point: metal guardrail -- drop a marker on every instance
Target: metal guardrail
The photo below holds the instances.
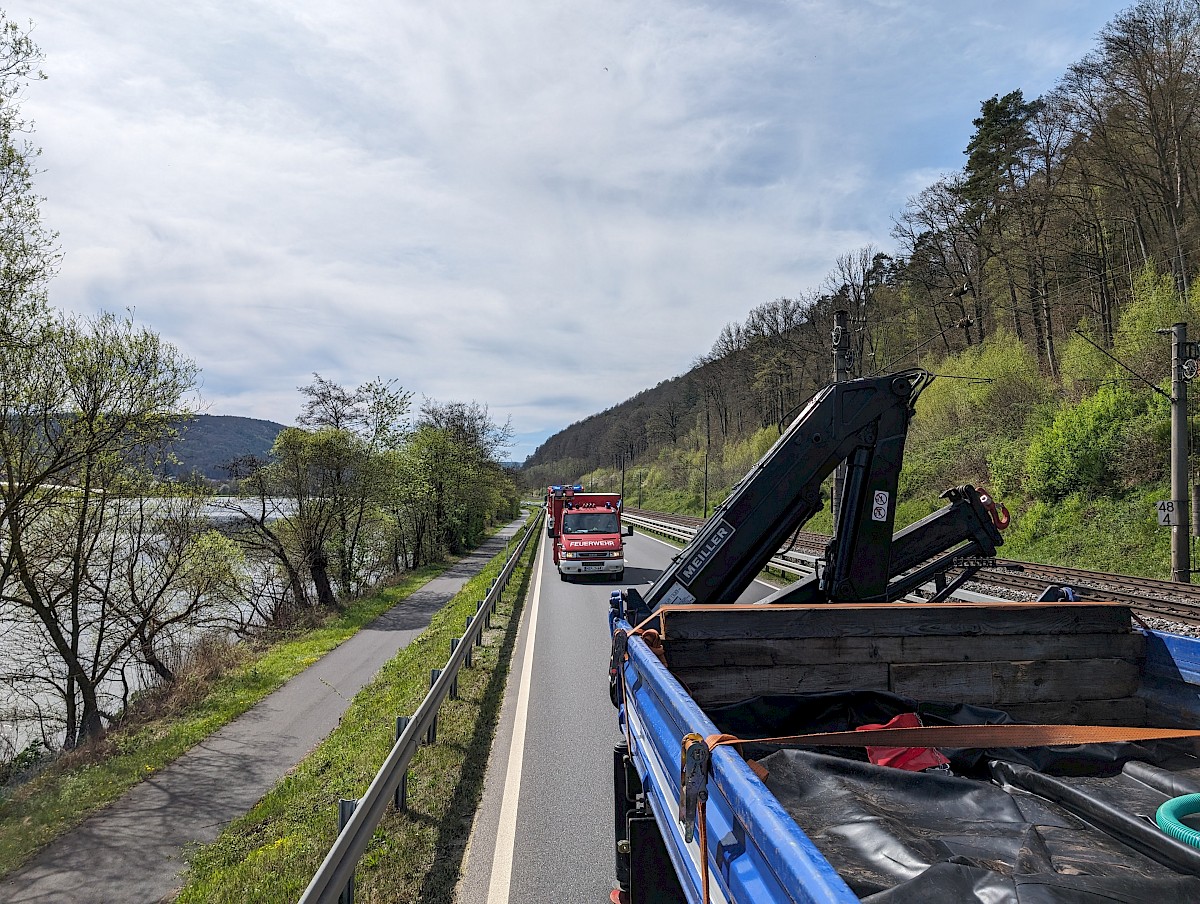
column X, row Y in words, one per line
column 357, row 820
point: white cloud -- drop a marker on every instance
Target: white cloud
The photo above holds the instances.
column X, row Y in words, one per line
column 542, row 207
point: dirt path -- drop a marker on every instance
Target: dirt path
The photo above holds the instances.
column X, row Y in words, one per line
column 132, row 851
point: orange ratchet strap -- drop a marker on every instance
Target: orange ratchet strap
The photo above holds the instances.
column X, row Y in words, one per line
column 1009, row 734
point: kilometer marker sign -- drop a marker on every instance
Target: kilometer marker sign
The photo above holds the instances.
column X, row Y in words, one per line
column 1169, row 514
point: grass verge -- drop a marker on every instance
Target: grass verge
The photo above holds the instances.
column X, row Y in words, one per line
column 271, row 853
column 77, row 785
column 1118, row 534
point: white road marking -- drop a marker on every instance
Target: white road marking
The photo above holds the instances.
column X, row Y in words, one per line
column 506, row 831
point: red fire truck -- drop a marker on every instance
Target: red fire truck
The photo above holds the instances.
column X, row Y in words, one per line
column 588, row 536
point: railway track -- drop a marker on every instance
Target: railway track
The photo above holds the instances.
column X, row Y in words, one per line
column 1149, row 598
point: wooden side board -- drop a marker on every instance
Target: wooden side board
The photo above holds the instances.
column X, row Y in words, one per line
column 740, row 652
column 892, row 620
column 1061, row 658
column 1002, row 683
column 714, row 686
column 1125, row 711
column 998, row 684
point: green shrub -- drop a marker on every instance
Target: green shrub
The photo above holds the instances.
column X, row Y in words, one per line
column 1083, row 449
column 1081, row 365
column 1006, row 465
column 1155, row 305
column 966, row 420
column 1109, row 533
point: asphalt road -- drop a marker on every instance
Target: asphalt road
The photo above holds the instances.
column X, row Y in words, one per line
column 544, row 830
column 132, row 851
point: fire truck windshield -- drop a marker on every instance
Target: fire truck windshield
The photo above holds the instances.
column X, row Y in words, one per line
column 590, row 523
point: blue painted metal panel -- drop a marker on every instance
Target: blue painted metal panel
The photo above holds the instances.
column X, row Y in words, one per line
column 757, row 853
column 1173, row 656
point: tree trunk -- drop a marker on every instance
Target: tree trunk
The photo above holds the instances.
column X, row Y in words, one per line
column 71, row 719
column 151, row 658
column 90, row 724
column 1014, row 306
column 295, row 582
column 1039, row 337
column 319, row 569
column 1048, row 338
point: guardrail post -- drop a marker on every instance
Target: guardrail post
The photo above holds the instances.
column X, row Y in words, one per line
column 454, row 642
column 431, row 734
column 474, row 641
column 345, row 811
column 401, row 798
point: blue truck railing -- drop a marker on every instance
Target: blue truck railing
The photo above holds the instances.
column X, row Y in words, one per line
column 756, row 853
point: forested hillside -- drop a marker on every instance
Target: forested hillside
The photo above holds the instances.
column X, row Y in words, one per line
column 1071, row 234
column 209, row 443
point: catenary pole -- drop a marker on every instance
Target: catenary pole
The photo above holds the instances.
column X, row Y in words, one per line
column 1181, row 563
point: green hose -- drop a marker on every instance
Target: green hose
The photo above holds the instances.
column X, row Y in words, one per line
column 1170, row 818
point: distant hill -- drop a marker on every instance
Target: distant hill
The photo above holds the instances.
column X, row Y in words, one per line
column 211, row 441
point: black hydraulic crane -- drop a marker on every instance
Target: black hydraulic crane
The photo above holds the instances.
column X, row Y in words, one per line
column 864, row 423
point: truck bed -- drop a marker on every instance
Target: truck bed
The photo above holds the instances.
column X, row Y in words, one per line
column 1044, row 824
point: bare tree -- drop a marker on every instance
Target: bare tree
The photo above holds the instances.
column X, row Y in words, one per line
column 1135, row 103
column 81, row 403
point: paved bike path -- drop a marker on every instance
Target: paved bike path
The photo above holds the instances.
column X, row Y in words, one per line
column 132, row 851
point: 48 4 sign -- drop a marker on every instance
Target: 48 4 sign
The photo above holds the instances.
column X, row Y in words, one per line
column 1170, row 513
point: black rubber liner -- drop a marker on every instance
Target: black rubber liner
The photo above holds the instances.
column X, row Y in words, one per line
column 1031, row 825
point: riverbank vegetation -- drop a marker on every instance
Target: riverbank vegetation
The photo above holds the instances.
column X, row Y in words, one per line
column 1034, row 282
column 215, row 684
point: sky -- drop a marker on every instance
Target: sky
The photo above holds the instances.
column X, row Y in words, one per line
column 543, row 207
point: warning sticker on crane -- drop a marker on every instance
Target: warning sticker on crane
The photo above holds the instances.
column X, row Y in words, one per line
column 879, row 510
column 677, row 596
